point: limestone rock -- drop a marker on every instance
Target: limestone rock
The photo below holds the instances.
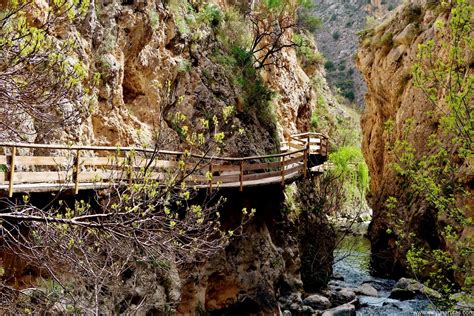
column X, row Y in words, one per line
column 367, row 290
column 406, row 289
column 317, row 301
column 342, row 310
column 342, row 296
column 385, row 57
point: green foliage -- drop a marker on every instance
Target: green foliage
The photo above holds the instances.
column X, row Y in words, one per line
column 238, row 62
column 211, row 15
column 191, row 20
column 154, row 19
column 306, row 51
column 306, row 17
column 385, row 40
column 329, row 65
column 184, row 65
column 43, row 79
column 336, row 35
column 349, row 163
column 274, row 4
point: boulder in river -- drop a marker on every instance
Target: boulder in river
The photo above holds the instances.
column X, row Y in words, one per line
column 406, row 289
column 317, row 301
column 342, row 296
column 342, row 310
column 367, row 290
column 337, row 276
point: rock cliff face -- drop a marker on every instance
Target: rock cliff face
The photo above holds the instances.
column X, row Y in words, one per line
column 156, row 58
column 385, row 58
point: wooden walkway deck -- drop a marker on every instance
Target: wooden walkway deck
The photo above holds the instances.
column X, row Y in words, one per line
column 94, row 167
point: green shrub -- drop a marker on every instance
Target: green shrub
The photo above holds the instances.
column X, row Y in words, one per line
column 348, row 163
column 385, row 40
column 336, row 35
column 211, row 15
column 306, row 51
column 329, row 65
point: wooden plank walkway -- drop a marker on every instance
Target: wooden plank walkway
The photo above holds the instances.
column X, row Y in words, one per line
column 96, row 167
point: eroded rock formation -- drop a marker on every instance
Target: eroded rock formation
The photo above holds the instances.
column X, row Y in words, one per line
column 386, row 56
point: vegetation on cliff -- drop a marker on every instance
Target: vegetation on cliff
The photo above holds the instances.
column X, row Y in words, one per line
column 439, row 177
column 42, row 76
column 418, row 142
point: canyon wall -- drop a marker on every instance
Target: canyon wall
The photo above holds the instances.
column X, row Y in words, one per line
column 386, row 56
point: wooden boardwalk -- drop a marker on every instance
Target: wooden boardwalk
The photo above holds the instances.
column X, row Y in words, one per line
column 94, row 167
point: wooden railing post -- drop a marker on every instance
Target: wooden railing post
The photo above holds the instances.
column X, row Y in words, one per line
column 76, row 170
column 210, row 177
column 326, row 145
column 241, row 177
column 283, row 170
column 305, row 161
column 12, row 172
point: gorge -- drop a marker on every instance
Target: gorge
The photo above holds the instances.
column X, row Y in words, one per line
column 113, row 89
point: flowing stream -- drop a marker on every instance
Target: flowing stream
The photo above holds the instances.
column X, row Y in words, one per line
column 352, row 263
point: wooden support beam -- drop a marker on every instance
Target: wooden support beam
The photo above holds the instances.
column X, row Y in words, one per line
column 77, row 166
column 305, row 161
column 12, row 172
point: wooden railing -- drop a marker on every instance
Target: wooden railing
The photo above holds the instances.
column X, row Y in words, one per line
column 92, row 167
column 318, row 143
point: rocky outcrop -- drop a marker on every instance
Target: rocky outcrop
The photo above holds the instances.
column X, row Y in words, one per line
column 406, row 289
column 386, row 56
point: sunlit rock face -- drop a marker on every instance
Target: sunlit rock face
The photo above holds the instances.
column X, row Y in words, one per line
column 385, row 58
column 150, row 69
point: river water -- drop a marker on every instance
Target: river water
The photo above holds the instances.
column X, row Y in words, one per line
column 352, row 263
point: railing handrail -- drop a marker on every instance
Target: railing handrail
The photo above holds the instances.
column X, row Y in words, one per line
column 309, row 134
column 297, row 161
column 146, row 150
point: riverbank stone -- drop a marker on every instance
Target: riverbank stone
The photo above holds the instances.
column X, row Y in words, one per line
column 342, row 310
column 317, row 301
column 367, row 290
column 292, row 301
column 342, row 296
column 406, row 289
column 337, row 276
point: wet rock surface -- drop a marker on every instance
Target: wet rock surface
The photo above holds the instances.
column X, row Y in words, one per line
column 343, row 310
column 352, row 263
column 408, row 288
column 367, row 290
